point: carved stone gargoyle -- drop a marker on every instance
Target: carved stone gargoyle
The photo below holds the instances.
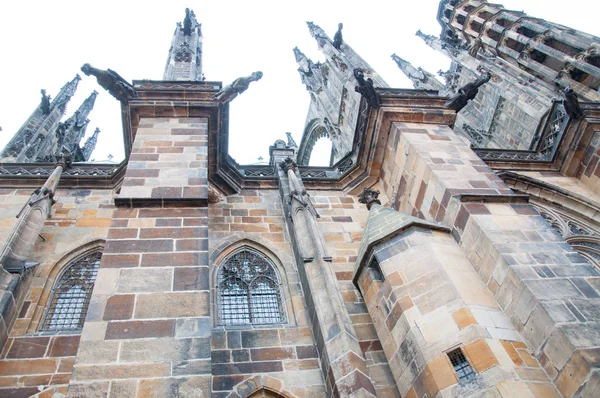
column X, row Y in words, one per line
column 337, row 38
column 467, row 93
column 571, row 103
column 366, row 89
column 238, row 86
column 111, row 82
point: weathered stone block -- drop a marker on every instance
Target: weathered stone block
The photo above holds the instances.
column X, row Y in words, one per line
column 172, row 305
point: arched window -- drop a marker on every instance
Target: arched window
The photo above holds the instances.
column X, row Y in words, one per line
column 71, row 294
column 249, row 290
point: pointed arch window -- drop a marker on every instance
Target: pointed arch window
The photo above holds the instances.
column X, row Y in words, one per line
column 249, row 290
column 71, row 295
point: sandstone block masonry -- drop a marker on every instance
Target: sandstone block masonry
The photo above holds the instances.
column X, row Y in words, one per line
column 544, row 287
column 33, row 361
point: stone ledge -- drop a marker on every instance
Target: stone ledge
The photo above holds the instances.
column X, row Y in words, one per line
column 160, row 202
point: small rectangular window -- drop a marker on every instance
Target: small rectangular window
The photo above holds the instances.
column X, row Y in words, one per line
column 463, row 369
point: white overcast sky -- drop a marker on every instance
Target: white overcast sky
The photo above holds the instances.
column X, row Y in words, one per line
column 44, row 43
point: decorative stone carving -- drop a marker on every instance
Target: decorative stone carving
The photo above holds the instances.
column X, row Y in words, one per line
column 189, row 22
column 45, row 105
column 238, row 86
column 366, row 89
column 214, row 196
column 571, row 103
column 290, row 141
column 112, row 82
column 337, row 38
column 288, row 164
column 467, row 93
column 369, row 197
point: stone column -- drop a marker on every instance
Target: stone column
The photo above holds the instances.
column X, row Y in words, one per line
column 342, row 362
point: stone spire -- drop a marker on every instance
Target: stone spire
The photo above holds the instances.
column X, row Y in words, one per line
column 185, row 55
column 335, row 101
column 25, row 145
column 310, row 72
column 421, row 79
column 80, row 120
column 90, row 145
column 67, row 136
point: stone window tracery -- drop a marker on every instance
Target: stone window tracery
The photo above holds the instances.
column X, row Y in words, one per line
column 249, row 291
column 71, row 294
column 584, row 239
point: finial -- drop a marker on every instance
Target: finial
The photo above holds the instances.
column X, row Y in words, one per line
column 288, row 164
column 369, row 197
column 291, row 143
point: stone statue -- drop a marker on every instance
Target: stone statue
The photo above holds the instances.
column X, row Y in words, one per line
column 467, row 93
column 238, row 86
column 366, row 89
column 337, row 38
column 45, row 105
column 189, row 22
column 571, row 103
column 112, row 82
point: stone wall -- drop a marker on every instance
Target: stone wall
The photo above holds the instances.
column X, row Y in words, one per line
column 148, row 327
column 342, row 223
column 34, row 361
column 540, row 282
column 286, row 352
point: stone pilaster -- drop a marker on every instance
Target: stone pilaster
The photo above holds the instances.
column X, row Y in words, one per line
column 149, row 315
column 342, row 361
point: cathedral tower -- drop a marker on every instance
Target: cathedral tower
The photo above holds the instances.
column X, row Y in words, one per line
column 185, row 55
column 531, row 61
column 550, row 52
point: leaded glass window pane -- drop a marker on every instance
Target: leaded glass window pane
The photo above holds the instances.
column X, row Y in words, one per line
column 71, row 294
column 249, row 290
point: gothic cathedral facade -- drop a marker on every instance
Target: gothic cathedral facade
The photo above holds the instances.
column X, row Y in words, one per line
column 450, row 249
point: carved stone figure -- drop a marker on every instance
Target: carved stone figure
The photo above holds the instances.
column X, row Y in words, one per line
column 112, row 82
column 238, row 86
column 571, row 103
column 369, row 197
column 337, row 38
column 467, row 93
column 366, row 89
column 45, row 105
column 187, row 22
